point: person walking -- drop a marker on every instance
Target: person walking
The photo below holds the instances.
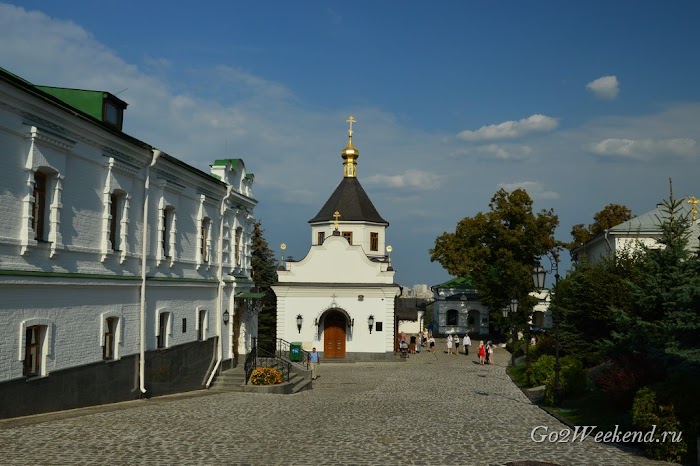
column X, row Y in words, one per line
column 449, row 344
column 467, row 343
column 482, row 353
column 490, row 353
column 431, row 343
column 456, row 341
column 419, row 342
column 314, row 360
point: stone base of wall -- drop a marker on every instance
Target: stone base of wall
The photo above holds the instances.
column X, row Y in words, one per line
column 279, row 389
column 361, row 357
column 179, row 369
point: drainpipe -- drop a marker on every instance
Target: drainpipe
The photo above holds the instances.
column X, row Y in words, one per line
column 220, row 289
column 607, row 240
column 144, row 251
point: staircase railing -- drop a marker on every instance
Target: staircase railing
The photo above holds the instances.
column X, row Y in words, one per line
column 260, row 356
column 282, row 349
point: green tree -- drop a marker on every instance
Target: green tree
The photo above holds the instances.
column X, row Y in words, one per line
column 665, row 316
column 498, row 249
column 264, row 275
column 610, row 216
column 586, row 296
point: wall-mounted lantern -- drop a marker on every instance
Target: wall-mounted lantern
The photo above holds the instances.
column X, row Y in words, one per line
column 226, row 317
column 300, row 319
column 370, row 322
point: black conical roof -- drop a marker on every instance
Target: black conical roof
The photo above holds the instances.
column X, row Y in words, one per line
column 352, row 202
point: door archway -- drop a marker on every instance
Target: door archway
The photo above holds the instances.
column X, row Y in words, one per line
column 334, row 337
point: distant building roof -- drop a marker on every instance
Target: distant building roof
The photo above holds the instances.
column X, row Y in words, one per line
column 462, row 283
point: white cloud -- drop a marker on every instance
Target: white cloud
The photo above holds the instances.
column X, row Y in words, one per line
column 534, row 188
column 511, row 129
column 415, row 179
column 496, row 152
column 645, row 149
column 606, row 87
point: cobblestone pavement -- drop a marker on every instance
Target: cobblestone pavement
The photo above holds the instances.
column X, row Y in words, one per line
column 432, row 409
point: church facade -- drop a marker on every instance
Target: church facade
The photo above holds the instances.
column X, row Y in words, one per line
column 124, row 272
column 340, row 298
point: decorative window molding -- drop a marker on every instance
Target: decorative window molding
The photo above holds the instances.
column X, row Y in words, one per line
column 167, row 233
column 115, row 216
column 201, row 323
column 45, row 343
column 118, row 332
column 163, row 328
column 203, row 235
column 239, row 247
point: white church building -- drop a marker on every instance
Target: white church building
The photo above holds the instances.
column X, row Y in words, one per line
column 124, row 272
column 340, row 298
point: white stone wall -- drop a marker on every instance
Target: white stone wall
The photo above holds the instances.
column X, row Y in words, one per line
column 312, row 303
column 75, row 280
column 360, row 235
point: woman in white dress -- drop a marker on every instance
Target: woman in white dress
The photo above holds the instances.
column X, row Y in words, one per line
column 449, row 344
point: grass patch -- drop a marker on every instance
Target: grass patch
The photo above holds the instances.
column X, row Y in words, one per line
column 594, row 409
column 517, row 374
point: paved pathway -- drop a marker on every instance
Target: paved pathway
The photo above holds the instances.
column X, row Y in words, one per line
column 434, row 409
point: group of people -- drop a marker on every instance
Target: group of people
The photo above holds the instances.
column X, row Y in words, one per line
column 485, row 353
column 426, row 340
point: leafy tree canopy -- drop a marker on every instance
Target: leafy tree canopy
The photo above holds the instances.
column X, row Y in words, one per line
column 499, row 248
column 610, row 216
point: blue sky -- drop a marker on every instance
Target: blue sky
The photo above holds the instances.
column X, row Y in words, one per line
column 580, row 103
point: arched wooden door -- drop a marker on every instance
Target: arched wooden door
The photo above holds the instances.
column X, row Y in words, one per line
column 334, row 335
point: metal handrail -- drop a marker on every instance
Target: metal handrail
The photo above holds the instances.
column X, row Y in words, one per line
column 260, row 357
column 251, row 360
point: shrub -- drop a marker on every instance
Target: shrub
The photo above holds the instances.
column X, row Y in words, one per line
column 621, row 379
column 573, row 377
column 647, row 414
column 542, row 370
column 265, row 376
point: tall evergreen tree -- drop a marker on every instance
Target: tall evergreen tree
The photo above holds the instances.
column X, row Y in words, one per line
column 264, row 275
column 665, row 318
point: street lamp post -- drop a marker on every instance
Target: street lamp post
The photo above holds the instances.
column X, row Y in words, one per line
column 538, row 276
column 512, row 309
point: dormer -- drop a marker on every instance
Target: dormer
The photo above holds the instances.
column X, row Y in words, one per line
column 101, row 105
column 232, row 172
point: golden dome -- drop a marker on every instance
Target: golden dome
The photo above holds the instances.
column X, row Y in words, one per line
column 350, row 154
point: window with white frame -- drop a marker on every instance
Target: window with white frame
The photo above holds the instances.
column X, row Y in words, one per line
column 239, row 245
column 205, row 239
column 163, row 330
column 34, row 350
column 111, row 334
column 167, row 236
column 117, row 220
column 201, row 325
column 39, row 207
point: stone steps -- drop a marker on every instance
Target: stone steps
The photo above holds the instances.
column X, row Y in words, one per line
column 233, row 380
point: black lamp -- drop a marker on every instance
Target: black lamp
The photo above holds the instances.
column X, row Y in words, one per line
column 226, row 317
column 300, row 319
column 370, row 322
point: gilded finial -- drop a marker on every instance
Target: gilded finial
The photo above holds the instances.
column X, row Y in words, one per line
column 694, row 209
column 351, row 120
column 336, row 216
column 350, row 154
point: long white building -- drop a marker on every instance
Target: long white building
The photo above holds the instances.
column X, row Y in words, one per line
column 124, row 272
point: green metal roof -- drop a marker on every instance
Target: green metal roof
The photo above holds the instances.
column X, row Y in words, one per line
column 222, row 162
column 463, row 283
column 90, row 102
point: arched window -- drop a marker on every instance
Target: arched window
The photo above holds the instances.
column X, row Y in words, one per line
column 452, row 316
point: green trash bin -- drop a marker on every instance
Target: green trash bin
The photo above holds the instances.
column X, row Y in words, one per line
column 295, row 351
